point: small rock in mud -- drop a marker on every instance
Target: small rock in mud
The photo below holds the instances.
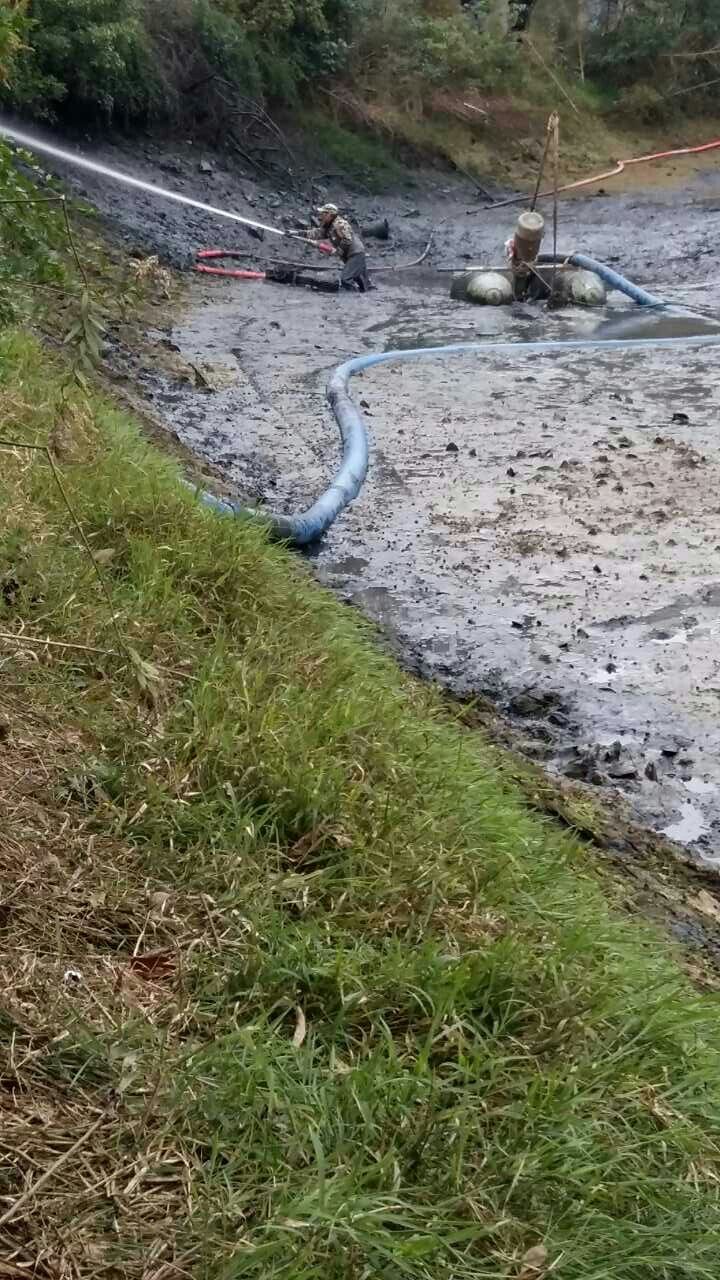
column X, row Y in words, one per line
column 623, row 771
column 584, row 768
column 525, row 624
column 451, row 447
column 560, row 720
column 214, row 375
column 533, row 703
column 680, row 417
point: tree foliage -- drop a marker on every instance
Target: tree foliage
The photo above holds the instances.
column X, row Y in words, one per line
column 408, row 45
column 85, row 55
column 13, row 30
column 126, row 61
column 31, row 234
column 673, row 43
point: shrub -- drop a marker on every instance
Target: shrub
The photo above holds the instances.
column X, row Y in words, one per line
column 399, row 44
column 647, row 38
column 632, row 48
column 30, row 234
column 642, row 104
column 86, row 56
column 197, row 47
column 13, row 33
column 297, row 41
column 124, row 60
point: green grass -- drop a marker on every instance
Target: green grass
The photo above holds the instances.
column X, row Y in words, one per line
column 381, row 1021
column 364, row 157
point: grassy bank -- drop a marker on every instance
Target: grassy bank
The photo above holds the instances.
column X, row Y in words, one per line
column 316, row 993
column 492, row 138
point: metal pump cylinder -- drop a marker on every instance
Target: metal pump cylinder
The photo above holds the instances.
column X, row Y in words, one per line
column 528, row 236
column 493, row 288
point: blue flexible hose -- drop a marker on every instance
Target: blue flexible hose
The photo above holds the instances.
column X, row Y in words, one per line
column 308, row 526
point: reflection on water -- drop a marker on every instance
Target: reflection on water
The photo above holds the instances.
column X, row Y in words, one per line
column 651, row 322
column 689, row 827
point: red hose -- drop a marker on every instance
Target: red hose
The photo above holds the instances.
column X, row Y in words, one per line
column 202, row 255
column 229, row 271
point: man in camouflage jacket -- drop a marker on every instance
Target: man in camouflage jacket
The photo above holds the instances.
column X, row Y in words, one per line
column 347, row 244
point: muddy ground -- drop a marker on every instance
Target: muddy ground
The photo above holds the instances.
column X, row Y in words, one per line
column 546, row 530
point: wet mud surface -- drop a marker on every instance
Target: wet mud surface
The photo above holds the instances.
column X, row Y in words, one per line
column 544, row 531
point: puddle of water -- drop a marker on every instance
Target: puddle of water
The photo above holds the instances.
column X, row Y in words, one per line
column 410, row 342
column 351, row 566
column 380, row 603
column 680, row 637
column 689, row 827
column 420, row 280
column 669, row 323
column 700, row 787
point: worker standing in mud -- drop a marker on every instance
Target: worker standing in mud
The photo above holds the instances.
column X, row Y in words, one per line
column 347, row 244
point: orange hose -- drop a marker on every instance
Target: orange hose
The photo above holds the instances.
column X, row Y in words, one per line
column 622, row 164
column 681, row 151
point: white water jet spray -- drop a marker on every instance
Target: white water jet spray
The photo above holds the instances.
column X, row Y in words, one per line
column 31, row 143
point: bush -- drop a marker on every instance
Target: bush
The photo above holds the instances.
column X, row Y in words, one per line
column 86, row 57
column 175, row 60
column 403, row 47
column 632, row 49
column 642, row 104
column 197, row 48
column 30, row 234
column 645, row 43
column 172, row 61
column 297, row 41
column 13, row 32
